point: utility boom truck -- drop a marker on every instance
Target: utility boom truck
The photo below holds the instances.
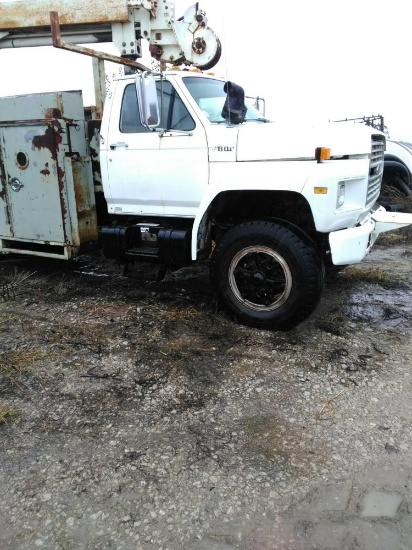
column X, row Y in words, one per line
column 181, row 169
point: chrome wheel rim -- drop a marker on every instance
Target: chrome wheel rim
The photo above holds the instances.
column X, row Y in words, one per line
column 260, row 278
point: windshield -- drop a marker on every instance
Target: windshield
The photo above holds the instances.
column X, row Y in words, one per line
column 210, row 97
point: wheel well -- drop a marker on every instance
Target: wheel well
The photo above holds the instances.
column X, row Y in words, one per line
column 233, row 207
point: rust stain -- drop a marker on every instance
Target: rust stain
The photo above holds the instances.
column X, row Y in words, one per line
column 60, row 177
column 3, row 192
column 45, row 171
column 86, row 211
column 3, row 195
column 15, row 15
column 87, row 220
column 50, row 140
column 53, row 112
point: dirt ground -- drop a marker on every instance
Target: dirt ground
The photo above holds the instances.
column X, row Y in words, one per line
column 136, row 414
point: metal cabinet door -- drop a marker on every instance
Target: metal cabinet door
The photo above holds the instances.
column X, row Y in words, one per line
column 33, row 182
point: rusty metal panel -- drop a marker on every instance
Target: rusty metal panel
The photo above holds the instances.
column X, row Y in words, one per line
column 81, row 201
column 61, row 105
column 34, row 202
column 35, row 13
column 5, row 225
column 47, row 203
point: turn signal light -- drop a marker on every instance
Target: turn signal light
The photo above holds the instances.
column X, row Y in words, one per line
column 322, row 153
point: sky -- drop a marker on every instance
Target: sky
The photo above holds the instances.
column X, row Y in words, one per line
column 312, row 60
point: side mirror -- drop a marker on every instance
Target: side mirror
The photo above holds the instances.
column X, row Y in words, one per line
column 147, row 100
column 234, row 109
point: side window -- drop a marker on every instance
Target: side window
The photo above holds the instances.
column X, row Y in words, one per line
column 129, row 114
column 175, row 115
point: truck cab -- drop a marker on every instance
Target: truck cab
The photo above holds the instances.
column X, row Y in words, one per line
column 211, row 172
column 274, row 203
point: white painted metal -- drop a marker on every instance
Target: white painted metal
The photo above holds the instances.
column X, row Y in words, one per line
column 387, row 221
column 401, row 151
column 179, row 174
column 351, row 245
column 35, row 209
column 147, row 174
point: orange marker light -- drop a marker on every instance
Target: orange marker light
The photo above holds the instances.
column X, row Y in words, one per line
column 322, row 153
column 320, row 190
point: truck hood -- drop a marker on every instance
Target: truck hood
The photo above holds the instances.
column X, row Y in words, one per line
column 274, row 141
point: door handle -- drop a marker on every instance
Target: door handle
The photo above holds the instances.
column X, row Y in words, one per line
column 118, row 144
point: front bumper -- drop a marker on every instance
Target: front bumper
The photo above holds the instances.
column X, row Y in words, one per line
column 350, row 246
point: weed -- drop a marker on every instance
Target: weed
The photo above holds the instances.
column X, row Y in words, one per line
column 391, row 238
column 6, row 413
column 180, row 314
column 62, row 287
column 111, row 310
column 13, row 284
column 78, row 334
column 16, row 365
column 391, row 195
column 374, row 275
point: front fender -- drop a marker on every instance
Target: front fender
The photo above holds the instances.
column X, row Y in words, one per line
column 199, row 227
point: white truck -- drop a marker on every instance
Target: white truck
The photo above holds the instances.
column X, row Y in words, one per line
column 397, row 169
column 397, row 174
column 181, row 169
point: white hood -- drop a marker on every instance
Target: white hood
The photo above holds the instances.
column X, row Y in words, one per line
column 273, row 141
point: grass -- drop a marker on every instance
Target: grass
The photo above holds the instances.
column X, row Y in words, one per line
column 13, row 284
column 180, row 314
column 6, row 413
column 398, row 236
column 16, row 365
column 374, row 275
column 391, row 195
column 79, row 334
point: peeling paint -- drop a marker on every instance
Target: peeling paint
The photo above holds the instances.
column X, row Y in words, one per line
column 23, row 14
column 60, row 177
column 50, row 140
column 57, row 203
column 52, row 112
column 45, row 171
column 2, row 177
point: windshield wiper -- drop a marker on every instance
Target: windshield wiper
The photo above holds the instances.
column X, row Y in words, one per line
column 246, row 120
column 257, row 120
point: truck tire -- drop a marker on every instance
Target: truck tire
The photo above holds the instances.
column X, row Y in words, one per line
column 266, row 275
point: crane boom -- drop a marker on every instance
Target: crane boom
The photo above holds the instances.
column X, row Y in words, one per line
column 186, row 40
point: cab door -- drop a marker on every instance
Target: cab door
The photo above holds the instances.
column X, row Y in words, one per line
column 155, row 173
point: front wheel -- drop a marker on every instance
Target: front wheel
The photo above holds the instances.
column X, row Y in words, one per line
column 266, row 275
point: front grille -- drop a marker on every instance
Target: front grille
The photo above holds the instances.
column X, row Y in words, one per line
column 375, row 169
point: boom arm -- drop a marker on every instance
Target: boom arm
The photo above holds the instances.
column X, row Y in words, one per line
column 187, row 40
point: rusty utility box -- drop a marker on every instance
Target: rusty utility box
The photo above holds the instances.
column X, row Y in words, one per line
column 47, row 202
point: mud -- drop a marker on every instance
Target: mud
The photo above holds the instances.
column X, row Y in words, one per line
column 145, row 417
